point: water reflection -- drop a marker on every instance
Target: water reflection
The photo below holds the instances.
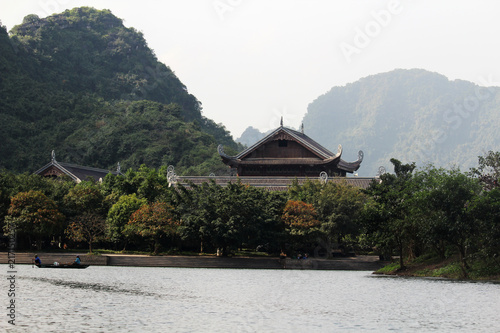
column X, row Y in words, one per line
column 91, row 286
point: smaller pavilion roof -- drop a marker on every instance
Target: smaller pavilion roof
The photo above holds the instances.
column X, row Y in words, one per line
column 76, row 172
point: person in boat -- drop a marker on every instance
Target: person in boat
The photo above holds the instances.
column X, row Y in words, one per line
column 38, row 262
column 77, row 261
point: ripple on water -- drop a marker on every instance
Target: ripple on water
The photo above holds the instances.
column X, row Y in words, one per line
column 132, row 299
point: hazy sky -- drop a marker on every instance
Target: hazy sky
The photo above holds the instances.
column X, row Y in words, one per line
column 252, row 61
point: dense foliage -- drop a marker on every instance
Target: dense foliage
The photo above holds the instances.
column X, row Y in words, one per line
column 434, row 210
column 83, row 84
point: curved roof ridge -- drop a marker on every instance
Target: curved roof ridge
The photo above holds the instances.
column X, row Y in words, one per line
column 351, row 166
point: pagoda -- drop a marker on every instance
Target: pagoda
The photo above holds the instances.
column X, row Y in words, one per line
column 289, row 153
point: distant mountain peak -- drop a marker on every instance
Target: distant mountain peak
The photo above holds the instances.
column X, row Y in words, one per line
column 410, row 114
column 82, row 83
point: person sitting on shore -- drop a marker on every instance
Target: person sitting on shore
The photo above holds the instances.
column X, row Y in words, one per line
column 38, row 262
column 77, row 261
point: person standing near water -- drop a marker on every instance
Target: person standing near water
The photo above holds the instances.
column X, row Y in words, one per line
column 77, row 261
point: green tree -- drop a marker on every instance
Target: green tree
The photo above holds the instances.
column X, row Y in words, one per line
column 339, row 207
column 448, row 197
column 488, row 171
column 146, row 182
column 485, row 209
column 119, row 215
column 86, row 209
column 85, row 197
column 387, row 220
column 231, row 217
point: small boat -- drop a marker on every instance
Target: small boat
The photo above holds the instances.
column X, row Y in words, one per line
column 63, row 266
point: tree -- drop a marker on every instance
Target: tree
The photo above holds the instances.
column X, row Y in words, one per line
column 85, row 197
column 231, row 217
column 153, row 222
column 339, row 208
column 488, row 171
column 87, row 227
column 197, row 206
column 301, row 222
column 485, row 209
column 33, row 214
column 7, row 184
column 85, row 205
column 450, row 198
column 300, row 216
column 388, row 221
column 119, row 215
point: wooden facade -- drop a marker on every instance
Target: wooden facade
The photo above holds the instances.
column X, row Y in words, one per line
column 289, row 153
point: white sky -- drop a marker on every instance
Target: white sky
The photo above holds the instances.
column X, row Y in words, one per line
column 252, row 61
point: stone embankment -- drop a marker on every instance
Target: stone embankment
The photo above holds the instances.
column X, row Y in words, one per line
column 369, row 263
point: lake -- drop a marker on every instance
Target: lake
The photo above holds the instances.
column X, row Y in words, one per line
column 136, row 299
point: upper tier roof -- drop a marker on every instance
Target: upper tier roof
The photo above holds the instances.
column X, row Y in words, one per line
column 306, row 141
column 324, row 155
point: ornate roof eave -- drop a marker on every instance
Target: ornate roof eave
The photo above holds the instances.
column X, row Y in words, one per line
column 351, row 166
column 229, row 160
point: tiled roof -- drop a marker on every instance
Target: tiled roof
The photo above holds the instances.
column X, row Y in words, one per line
column 272, row 183
column 77, row 173
column 83, row 172
column 300, row 137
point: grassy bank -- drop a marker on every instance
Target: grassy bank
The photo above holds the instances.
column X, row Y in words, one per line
column 430, row 266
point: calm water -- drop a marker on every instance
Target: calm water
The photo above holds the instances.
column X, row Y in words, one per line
column 130, row 299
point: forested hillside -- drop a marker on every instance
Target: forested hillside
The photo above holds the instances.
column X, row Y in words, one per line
column 83, row 84
column 413, row 115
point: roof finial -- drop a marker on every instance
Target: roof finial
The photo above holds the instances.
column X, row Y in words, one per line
column 53, row 156
column 302, row 128
column 281, row 122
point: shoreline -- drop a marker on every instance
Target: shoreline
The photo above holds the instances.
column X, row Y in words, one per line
column 362, row 262
column 435, row 268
